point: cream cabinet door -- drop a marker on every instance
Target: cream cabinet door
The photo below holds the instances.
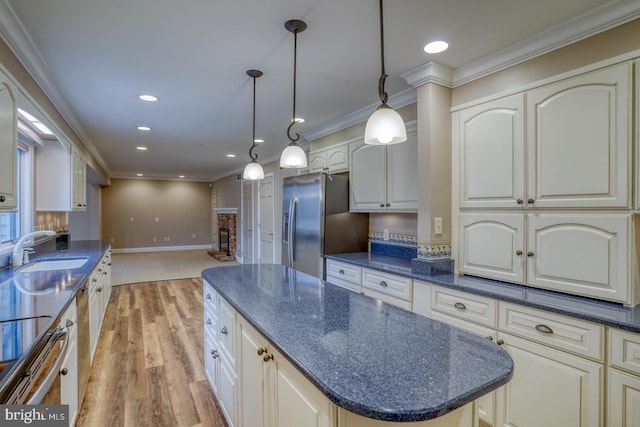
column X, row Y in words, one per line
column 8, row 148
column 492, row 245
column 579, row 254
column 295, row 401
column 623, row 406
column 338, row 158
column 492, row 154
column 549, row 388
column 367, row 178
column 402, row 174
column 253, row 403
column 69, row 382
column 579, row 140
column 317, row 161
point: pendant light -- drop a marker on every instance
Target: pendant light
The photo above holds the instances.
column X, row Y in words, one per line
column 253, row 170
column 293, row 156
column 385, row 126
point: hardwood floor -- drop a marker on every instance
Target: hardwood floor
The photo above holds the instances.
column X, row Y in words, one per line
column 148, row 369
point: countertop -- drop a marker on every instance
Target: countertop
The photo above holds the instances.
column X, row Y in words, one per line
column 607, row 313
column 367, row 357
column 44, row 293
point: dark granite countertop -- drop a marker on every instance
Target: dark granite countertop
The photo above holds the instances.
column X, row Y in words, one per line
column 607, row 313
column 367, row 357
column 44, row 293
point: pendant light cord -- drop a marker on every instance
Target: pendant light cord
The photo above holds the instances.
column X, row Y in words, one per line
column 383, row 76
column 295, row 61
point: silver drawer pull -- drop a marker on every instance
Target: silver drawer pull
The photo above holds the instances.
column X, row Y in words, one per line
column 69, row 323
column 341, row 271
column 208, row 296
column 383, row 283
column 544, row 329
column 460, row 306
column 224, row 330
column 490, row 338
column 214, row 354
column 208, row 322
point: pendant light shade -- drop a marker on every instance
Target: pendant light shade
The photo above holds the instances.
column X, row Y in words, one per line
column 253, row 170
column 385, row 126
column 293, row 156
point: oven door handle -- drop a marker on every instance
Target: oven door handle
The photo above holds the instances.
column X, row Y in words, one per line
column 37, row 397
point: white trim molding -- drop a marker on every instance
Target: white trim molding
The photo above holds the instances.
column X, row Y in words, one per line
column 431, row 72
column 228, row 211
column 160, row 249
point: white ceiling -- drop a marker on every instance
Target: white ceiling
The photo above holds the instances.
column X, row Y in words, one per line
column 94, row 57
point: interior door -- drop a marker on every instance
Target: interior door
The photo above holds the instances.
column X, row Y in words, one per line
column 266, row 220
column 247, row 222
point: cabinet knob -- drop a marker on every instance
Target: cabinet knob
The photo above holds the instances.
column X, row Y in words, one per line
column 388, row 204
column 64, row 371
column 341, row 271
column 490, row 338
column 500, row 342
column 224, row 330
column 99, row 289
column 460, row 306
column 530, row 201
column 519, row 201
column 529, row 254
column 208, row 296
column 519, row 252
column 214, row 354
column 105, row 272
column 261, row 351
column 544, row 329
column 2, row 198
column 383, row 283
column 267, row 357
column 208, row 322
column 382, row 205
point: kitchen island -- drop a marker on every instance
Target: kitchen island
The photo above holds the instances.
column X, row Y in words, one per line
column 368, row 360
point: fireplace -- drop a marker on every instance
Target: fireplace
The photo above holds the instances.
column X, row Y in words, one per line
column 226, row 232
column 223, row 240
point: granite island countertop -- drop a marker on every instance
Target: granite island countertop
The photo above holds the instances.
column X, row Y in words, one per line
column 367, row 357
column 603, row 312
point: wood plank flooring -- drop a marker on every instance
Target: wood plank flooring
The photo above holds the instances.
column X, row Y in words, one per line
column 148, row 369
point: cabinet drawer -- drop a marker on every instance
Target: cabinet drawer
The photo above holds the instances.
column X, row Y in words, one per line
column 465, row 306
column 388, row 284
column 210, row 297
column 474, row 328
column 210, row 323
column 624, row 350
column 226, row 332
column 388, row 299
column 555, row 330
column 343, row 272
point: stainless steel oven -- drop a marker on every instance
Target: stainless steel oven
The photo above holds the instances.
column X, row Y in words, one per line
column 34, row 379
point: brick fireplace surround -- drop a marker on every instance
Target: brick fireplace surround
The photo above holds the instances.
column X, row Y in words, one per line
column 227, row 219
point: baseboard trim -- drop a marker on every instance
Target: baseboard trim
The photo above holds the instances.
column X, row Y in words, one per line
column 160, row 249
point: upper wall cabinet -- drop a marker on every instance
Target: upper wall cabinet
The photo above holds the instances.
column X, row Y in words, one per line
column 333, row 159
column 384, row 179
column 8, row 147
column 575, row 153
column 60, row 178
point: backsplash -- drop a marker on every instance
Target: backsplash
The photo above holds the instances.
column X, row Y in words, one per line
column 398, row 245
column 398, row 239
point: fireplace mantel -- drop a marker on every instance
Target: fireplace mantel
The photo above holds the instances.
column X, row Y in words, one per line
column 229, row 211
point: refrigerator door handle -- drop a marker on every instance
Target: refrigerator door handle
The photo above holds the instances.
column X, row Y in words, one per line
column 292, row 231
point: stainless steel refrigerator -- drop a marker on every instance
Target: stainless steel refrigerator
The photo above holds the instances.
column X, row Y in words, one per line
column 316, row 221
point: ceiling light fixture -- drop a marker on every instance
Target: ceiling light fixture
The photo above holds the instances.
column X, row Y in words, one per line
column 141, row 148
column 144, row 128
column 436, row 46
column 293, row 156
column 148, row 98
column 253, row 171
column 180, row 176
column 139, row 174
column 231, row 155
column 385, row 126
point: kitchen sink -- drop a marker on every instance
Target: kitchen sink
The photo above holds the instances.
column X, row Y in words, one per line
column 53, row 264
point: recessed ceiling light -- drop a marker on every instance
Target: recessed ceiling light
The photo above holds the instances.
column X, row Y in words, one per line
column 231, row 155
column 148, row 98
column 141, row 148
column 258, row 141
column 180, row 176
column 139, row 174
column 436, row 47
column 143, row 128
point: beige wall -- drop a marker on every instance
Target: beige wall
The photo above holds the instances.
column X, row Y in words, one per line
column 183, row 209
column 20, row 74
column 617, row 41
column 396, row 223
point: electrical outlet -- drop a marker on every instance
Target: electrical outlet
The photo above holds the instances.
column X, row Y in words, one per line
column 157, row 219
column 155, row 239
column 130, row 219
column 437, row 225
column 385, row 234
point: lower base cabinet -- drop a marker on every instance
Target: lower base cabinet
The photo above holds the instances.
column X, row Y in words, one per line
column 549, row 387
column 624, row 399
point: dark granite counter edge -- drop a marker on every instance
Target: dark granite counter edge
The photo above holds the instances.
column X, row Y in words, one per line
column 358, row 407
column 449, row 281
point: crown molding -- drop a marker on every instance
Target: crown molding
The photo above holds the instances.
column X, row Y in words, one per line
column 431, row 72
column 13, row 33
column 401, row 99
column 579, row 28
